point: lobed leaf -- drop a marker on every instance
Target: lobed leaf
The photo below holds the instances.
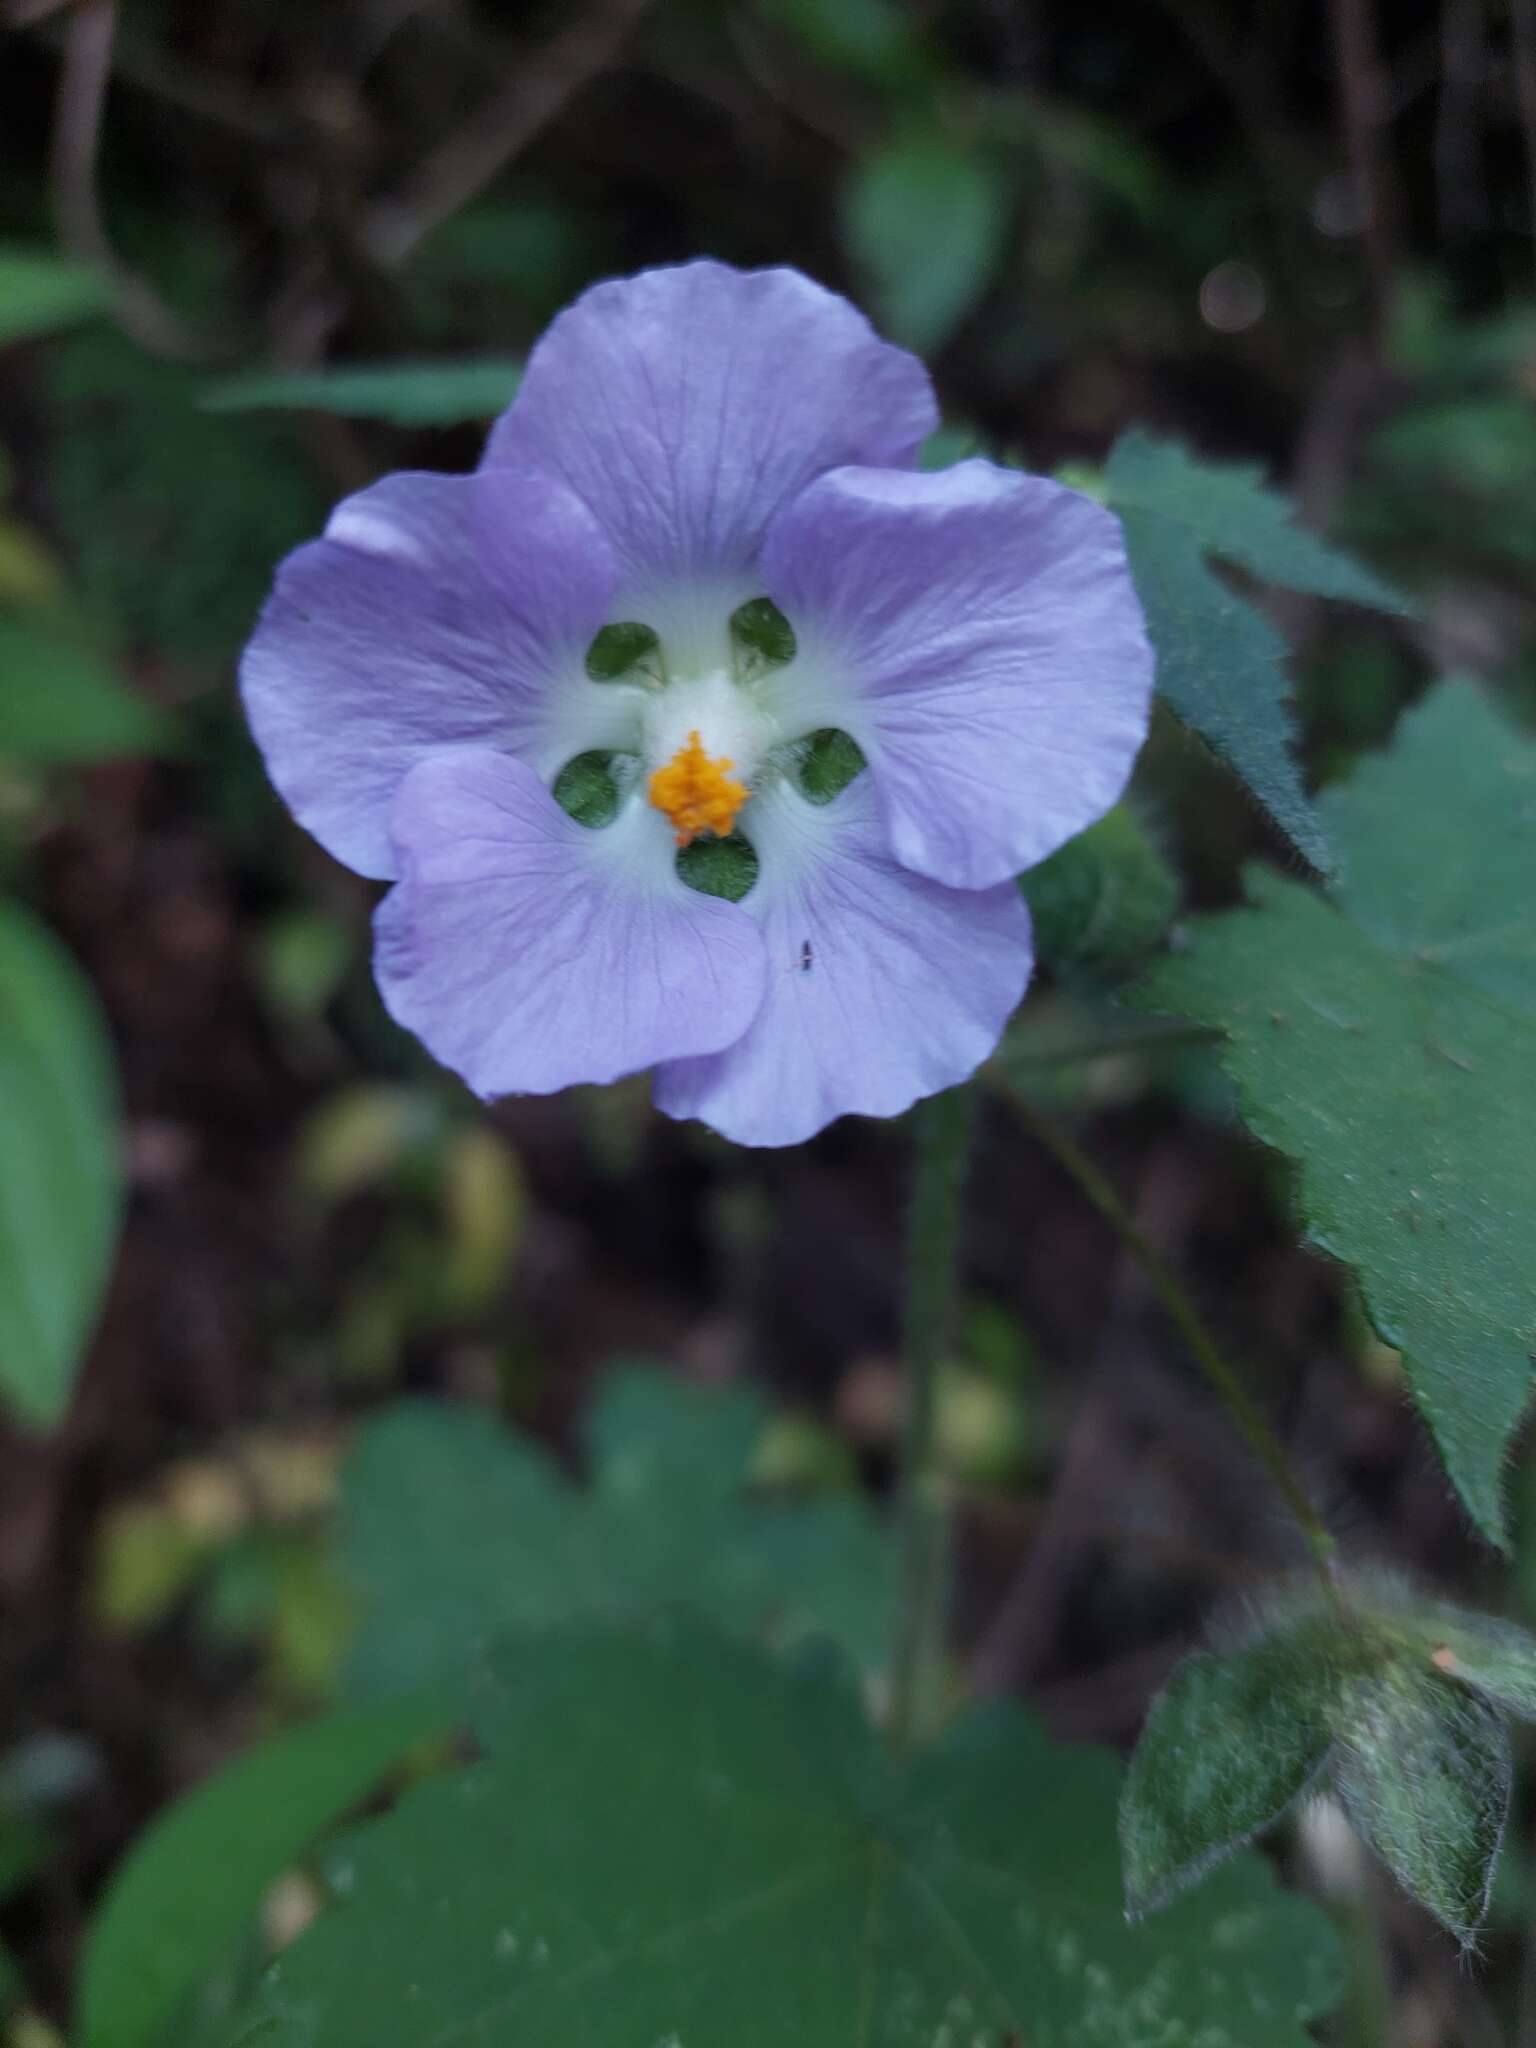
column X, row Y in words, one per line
column 761, row 1870
column 1220, row 664
column 455, row 1530
column 60, row 1176
column 1385, row 1041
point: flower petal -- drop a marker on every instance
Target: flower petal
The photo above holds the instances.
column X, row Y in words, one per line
column 529, row 953
column 436, row 611
column 882, row 985
column 685, row 406
column 978, row 633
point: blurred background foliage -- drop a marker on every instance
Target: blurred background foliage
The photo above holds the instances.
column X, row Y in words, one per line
column 250, row 256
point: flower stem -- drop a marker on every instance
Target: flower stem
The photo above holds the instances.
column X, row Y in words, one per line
column 942, row 1131
column 1220, row 1377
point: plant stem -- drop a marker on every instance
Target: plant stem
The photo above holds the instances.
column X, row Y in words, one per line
column 1223, row 1381
column 942, row 1130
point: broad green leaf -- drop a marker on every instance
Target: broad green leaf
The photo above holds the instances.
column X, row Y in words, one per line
column 672, row 1839
column 408, row 394
column 1229, row 1744
column 1495, row 1658
column 1385, row 1041
column 193, row 1882
column 1424, row 1770
column 926, row 220
column 1220, row 663
column 59, row 1170
column 61, row 701
column 455, row 1530
column 41, row 292
column 1104, row 900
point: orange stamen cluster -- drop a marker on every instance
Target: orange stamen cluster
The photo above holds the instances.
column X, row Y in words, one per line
column 697, row 793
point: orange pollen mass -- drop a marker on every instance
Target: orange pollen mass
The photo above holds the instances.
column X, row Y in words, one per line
column 697, row 793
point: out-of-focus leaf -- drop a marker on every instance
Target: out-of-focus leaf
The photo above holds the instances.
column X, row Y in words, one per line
column 60, row 701
column 59, row 1167
column 41, row 292
column 874, row 38
column 757, row 1868
column 429, row 394
column 193, row 1881
column 1104, row 900
column 1424, row 1771
column 1386, row 1041
column 455, row 1530
column 925, row 219
column 1220, row 663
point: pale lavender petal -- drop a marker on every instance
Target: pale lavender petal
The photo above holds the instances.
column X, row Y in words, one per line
column 978, row 633
column 882, row 986
column 529, row 953
column 685, row 406
column 436, row 611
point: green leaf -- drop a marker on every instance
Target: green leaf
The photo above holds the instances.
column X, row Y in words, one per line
column 190, row 1884
column 671, row 1839
column 61, row 701
column 1229, row 1744
column 433, row 394
column 1494, row 1658
column 1220, row 663
column 455, row 1530
column 926, row 221
column 1104, row 900
column 41, row 292
column 1424, row 1771
column 59, row 1169
column 1386, row 1040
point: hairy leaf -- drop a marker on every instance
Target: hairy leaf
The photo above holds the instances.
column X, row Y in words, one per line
column 671, row 1839
column 59, row 1170
column 197, row 1877
column 1228, row 1745
column 1220, row 663
column 455, row 1530
column 1386, row 1040
column 1424, row 1770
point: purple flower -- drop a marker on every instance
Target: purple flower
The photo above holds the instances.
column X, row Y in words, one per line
column 685, row 443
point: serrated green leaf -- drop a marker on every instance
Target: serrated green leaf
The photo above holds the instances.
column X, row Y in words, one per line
column 671, row 1839
column 432, row 394
column 925, row 219
column 61, row 701
column 1386, row 1041
column 1228, row 1745
column 60, row 1180
column 1424, row 1771
column 1220, row 664
column 191, row 1883
column 455, row 1530
column 41, row 293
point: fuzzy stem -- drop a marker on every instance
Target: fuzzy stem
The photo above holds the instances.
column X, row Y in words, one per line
column 1220, row 1377
column 942, row 1130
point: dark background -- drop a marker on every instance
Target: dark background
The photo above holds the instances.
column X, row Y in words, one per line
column 1296, row 234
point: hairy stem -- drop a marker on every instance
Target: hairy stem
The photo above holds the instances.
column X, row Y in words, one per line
column 1220, row 1377
column 942, row 1130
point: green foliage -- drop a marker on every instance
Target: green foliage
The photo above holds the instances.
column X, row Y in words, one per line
column 60, row 700
column 1220, row 663
column 670, row 1839
column 1228, row 1745
column 59, row 1170
column 455, row 1531
column 1402, row 1701
column 41, row 293
column 407, row 394
column 1385, row 1040
column 172, row 521
column 1424, row 1771
column 1104, row 900
column 925, row 219
column 193, row 1882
